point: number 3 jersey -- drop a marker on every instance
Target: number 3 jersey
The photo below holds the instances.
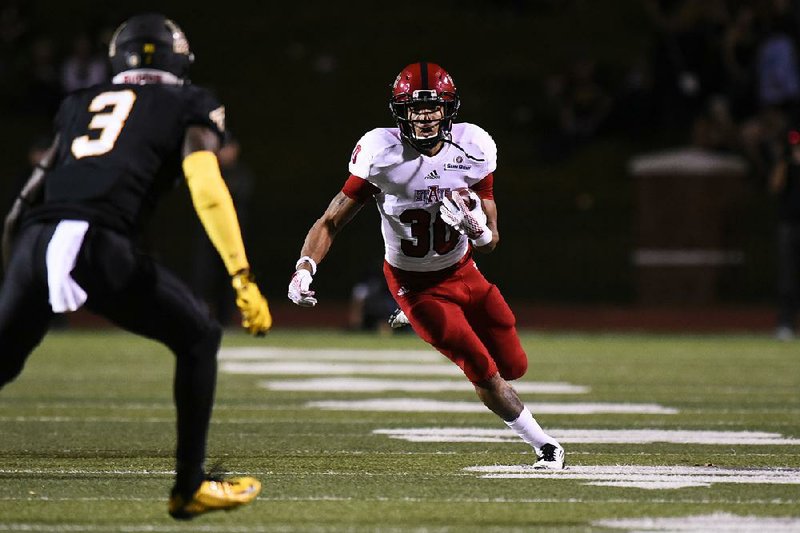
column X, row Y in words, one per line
column 408, row 188
column 120, row 149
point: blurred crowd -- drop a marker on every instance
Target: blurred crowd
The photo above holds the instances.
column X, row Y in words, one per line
column 721, row 74
column 36, row 70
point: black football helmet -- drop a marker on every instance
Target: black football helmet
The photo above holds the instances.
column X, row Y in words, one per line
column 150, row 41
column 424, row 84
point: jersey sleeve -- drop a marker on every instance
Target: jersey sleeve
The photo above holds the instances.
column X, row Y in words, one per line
column 364, row 153
column 488, row 147
column 359, row 189
column 485, row 188
column 203, row 109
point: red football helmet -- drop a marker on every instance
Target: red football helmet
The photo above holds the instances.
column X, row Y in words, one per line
column 424, row 84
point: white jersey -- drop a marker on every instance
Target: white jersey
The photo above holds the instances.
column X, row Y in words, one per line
column 412, row 186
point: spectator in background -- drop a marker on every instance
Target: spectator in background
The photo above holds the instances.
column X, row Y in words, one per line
column 14, row 28
column 42, row 93
column 686, row 68
column 778, row 92
column 83, row 67
column 581, row 104
column 785, row 183
column 739, row 48
column 210, row 279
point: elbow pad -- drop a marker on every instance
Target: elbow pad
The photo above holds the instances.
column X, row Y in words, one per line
column 214, row 206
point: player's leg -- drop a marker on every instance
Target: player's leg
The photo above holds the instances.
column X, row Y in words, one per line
column 25, row 313
column 144, row 298
column 788, row 278
column 495, row 324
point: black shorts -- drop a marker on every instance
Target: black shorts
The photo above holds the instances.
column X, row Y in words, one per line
column 123, row 285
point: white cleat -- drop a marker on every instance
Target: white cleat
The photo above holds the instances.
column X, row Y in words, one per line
column 551, row 458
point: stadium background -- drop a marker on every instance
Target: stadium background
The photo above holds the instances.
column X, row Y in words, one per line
column 302, row 81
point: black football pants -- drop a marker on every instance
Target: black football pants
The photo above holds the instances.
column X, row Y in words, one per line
column 135, row 293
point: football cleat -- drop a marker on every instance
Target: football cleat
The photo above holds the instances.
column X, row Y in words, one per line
column 214, row 495
column 551, row 458
column 398, row 319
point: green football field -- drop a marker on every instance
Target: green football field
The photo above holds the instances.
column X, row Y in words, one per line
column 352, row 432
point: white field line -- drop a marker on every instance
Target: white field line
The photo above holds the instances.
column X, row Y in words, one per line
column 307, row 354
column 645, row 477
column 417, row 405
column 384, row 385
column 669, row 501
column 337, row 368
column 594, row 436
column 711, row 523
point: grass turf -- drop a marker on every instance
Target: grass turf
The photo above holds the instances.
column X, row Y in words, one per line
column 87, row 436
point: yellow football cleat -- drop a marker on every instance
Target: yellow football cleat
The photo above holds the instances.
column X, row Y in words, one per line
column 215, row 495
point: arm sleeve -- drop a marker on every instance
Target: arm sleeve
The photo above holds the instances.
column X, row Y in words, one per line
column 214, row 207
column 359, row 189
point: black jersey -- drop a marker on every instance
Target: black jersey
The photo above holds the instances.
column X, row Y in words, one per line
column 120, row 149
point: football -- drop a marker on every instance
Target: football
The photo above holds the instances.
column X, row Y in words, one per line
column 469, row 197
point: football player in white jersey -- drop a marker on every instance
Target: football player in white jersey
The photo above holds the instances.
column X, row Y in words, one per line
column 432, row 181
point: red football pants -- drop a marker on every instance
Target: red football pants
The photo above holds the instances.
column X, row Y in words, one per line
column 461, row 314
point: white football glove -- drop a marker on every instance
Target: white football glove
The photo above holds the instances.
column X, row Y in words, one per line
column 299, row 291
column 398, row 319
column 470, row 223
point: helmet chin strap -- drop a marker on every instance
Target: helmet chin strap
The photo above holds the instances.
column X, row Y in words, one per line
column 446, row 138
column 426, row 144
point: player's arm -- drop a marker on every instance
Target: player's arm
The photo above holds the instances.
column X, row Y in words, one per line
column 214, row 206
column 30, row 194
column 318, row 242
column 320, row 237
column 490, row 209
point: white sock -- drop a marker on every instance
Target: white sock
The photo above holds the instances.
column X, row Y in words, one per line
column 530, row 431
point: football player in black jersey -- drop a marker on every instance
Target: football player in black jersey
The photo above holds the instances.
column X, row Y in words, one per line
column 69, row 239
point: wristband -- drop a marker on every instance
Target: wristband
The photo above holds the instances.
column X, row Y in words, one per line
column 306, row 259
column 484, row 239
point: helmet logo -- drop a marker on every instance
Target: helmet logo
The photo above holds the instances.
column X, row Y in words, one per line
column 217, row 116
column 179, row 43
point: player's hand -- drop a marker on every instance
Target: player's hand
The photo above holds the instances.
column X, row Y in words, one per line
column 299, row 291
column 470, row 223
column 398, row 319
column 256, row 317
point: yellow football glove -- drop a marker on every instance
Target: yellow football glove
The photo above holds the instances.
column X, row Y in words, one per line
column 256, row 318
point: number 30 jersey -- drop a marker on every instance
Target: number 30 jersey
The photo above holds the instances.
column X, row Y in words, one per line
column 409, row 186
column 120, row 149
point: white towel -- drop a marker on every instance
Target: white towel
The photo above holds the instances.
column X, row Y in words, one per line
column 62, row 252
